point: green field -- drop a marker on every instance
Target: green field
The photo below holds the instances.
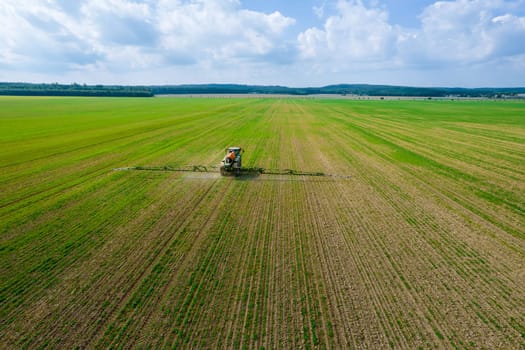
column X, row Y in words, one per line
column 419, row 244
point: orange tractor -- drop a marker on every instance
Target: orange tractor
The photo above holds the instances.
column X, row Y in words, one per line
column 231, row 164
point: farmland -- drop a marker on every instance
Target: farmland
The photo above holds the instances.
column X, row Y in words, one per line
column 421, row 246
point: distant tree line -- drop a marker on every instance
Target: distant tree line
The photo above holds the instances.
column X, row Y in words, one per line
column 27, row 89
column 342, row 89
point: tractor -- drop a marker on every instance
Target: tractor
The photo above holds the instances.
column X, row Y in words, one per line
column 232, row 162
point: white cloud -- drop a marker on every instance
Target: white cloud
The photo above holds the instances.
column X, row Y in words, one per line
column 356, row 33
column 38, row 36
column 219, row 30
column 222, row 41
column 120, row 34
column 118, row 22
column 359, row 37
column 467, row 31
column 319, row 10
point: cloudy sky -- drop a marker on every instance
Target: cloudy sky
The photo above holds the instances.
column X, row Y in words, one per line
column 469, row 43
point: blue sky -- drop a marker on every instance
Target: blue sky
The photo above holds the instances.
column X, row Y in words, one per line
column 469, row 43
column 401, row 12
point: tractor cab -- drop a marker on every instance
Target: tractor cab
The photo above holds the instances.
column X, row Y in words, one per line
column 236, row 150
column 232, row 161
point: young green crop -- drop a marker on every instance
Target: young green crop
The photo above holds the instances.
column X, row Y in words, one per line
column 419, row 245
